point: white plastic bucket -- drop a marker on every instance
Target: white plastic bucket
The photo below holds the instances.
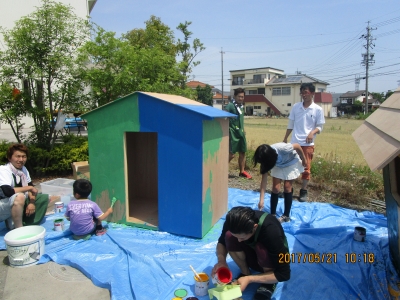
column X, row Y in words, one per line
column 25, row 245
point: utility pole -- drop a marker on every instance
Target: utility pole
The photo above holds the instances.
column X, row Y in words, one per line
column 222, row 79
column 368, row 60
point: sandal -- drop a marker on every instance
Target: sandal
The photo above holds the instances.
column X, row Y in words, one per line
column 264, row 292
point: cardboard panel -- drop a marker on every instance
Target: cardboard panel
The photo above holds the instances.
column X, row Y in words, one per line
column 81, row 170
column 393, row 101
column 179, row 164
column 392, row 213
column 215, row 172
column 385, row 119
column 106, row 128
column 377, row 148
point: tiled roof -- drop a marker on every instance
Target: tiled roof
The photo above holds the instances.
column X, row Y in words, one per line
column 194, row 84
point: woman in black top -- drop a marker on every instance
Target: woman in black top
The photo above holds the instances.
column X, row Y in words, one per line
column 257, row 243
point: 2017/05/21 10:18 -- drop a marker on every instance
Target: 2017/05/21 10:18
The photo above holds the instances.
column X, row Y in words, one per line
column 328, row 258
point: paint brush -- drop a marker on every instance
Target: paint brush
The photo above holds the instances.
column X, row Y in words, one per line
column 195, row 273
column 113, row 201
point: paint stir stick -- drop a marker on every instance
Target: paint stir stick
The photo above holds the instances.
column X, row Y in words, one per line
column 113, row 201
column 195, row 273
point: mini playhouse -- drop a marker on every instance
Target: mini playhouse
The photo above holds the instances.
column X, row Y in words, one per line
column 164, row 157
column 379, row 141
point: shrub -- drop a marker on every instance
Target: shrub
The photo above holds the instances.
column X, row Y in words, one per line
column 73, row 148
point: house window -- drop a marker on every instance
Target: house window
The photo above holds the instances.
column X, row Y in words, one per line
column 261, row 91
column 252, row 92
column 289, row 104
column 321, row 90
column 237, row 80
column 257, row 107
column 276, row 91
column 286, row 90
column 258, row 78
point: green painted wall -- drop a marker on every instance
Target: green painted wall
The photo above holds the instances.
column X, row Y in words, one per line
column 106, row 128
column 212, row 138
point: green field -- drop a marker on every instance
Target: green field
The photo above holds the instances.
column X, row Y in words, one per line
column 335, row 142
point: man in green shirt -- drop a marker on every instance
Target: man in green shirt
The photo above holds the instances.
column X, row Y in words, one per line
column 237, row 138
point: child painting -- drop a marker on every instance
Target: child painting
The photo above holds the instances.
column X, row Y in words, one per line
column 85, row 216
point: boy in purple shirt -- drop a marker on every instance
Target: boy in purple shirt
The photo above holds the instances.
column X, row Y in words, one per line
column 85, row 216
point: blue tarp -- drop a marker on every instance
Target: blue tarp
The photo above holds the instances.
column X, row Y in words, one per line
column 135, row 263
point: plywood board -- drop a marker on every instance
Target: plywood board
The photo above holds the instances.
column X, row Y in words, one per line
column 393, row 101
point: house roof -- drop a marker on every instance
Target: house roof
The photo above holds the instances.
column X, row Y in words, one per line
column 378, row 137
column 197, row 107
column 256, row 69
column 293, row 79
column 261, row 98
column 352, row 94
column 194, row 84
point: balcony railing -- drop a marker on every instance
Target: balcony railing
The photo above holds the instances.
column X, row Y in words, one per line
column 247, row 81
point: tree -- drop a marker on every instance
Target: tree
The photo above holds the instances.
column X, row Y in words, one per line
column 139, row 61
column 377, row 96
column 388, row 94
column 155, row 35
column 187, row 52
column 41, row 54
column 204, row 95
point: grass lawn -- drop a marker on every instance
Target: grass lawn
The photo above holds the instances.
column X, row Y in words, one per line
column 335, row 141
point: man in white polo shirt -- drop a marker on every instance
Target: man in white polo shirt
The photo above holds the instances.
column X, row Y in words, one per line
column 305, row 120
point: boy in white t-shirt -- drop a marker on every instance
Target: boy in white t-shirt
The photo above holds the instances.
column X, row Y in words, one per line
column 306, row 120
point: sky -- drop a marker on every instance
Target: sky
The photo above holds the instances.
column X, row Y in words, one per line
column 322, row 39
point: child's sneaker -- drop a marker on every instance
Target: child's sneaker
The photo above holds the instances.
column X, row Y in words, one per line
column 101, row 231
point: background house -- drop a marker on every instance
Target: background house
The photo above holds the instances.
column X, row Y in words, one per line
column 219, row 101
column 379, row 141
column 12, row 10
column 268, row 91
column 350, row 100
column 164, row 157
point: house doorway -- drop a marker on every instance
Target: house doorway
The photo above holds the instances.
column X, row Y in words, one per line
column 141, row 177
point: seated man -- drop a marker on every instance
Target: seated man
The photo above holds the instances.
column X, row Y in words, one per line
column 255, row 240
column 20, row 202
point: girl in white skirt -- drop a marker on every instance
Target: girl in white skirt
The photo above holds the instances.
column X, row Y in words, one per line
column 286, row 163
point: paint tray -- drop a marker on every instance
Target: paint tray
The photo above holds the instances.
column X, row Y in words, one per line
column 225, row 292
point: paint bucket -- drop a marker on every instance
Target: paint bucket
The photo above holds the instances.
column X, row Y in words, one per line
column 25, row 245
column 222, row 276
column 59, row 225
column 359, row 234
column 58, row 207
column 201, row 286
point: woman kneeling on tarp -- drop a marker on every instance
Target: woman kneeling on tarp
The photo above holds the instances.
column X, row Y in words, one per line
column 20, row 202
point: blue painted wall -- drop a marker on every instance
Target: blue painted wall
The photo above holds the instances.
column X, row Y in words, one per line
column 392, row 214
column 179, row 164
